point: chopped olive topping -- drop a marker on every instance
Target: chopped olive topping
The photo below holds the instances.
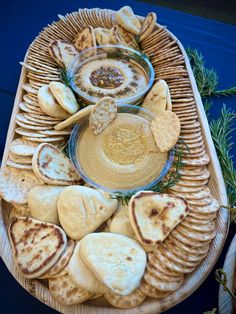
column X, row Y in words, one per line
column 107, row 77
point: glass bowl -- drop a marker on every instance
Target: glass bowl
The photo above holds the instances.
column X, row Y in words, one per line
column 75, row 139
column 116, row 71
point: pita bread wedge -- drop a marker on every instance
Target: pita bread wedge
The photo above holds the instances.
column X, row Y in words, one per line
column 156, row 99
column 163, row 212
column 122, row 37
column 65, row 291
column 126, row 18
column 78, row 116
column 36, row 245
column 86, row 39
column 82, row 275
column 42, row 201
column 148, row 25
column 64, row 96
column 126, row 302
column 62, row 261
column 102, row 114
column 62, row 52
column 166, row 122
column 16, row 183
column 49, row 105
column 116, row 260
column 121, row 223
column 53, row 167
column 82, row 210
column 103, row 36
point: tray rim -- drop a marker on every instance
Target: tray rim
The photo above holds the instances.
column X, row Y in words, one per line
column 32, row 285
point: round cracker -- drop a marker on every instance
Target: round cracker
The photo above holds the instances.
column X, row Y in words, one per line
column 126, row 302
column 150, row 291
column 66, row 292
column 13, row 164
column 44, row 139
column 180, row 253
column 194, row 235
column 155, row 262
column 102, row 114
column 16, row 183
column 201, row 250
column 187, row 241
column 26, row 132
column 32, row 127
column 20, row 159
column 166, row 122
column 23, row 147
column 161, row 285
column 207, row 227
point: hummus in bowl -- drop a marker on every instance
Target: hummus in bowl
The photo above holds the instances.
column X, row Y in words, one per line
column 123, row 158
column 114, row 71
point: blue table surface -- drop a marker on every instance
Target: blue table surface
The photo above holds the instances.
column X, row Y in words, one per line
column 20, row 22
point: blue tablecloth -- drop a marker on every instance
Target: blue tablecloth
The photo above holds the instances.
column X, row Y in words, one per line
column 20, row 22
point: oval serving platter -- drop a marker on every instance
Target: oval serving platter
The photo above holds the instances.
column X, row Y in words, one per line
column 162, row 42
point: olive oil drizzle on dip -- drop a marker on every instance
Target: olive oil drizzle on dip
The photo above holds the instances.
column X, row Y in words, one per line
column 123, row 156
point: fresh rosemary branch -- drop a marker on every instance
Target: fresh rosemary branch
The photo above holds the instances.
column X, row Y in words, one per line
column 173, row 177
column 213, row 311
column 221, row 277
column 221, row 131
column 207, row 79
column 64, row 77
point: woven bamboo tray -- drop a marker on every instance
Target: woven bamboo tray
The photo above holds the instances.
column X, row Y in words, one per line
column 105, row 18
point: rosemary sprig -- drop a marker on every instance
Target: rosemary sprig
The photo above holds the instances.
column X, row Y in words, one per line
column 64, row 77
column 207, row 79
column 173, row 177
column 221, row 131
column 221, row 277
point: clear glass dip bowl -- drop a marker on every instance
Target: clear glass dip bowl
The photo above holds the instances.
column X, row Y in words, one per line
column 116, row 71
column 74, row 141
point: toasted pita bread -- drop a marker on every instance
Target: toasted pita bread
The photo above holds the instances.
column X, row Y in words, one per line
column 155, row 100
column 78, row 116
column 86, row 39
column 62, row 261
column 122, row 275
column 64, row 96
column 62, row 52
column 126, row 18
column 53, row 167
column 148, row 25
column 103, row 36
column 36, row 245
column 163, row 212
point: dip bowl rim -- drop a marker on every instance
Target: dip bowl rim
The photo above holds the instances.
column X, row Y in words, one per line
column 72, row 148
column 75, row 64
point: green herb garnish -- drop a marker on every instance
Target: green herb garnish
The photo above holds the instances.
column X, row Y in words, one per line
column 207, row 79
